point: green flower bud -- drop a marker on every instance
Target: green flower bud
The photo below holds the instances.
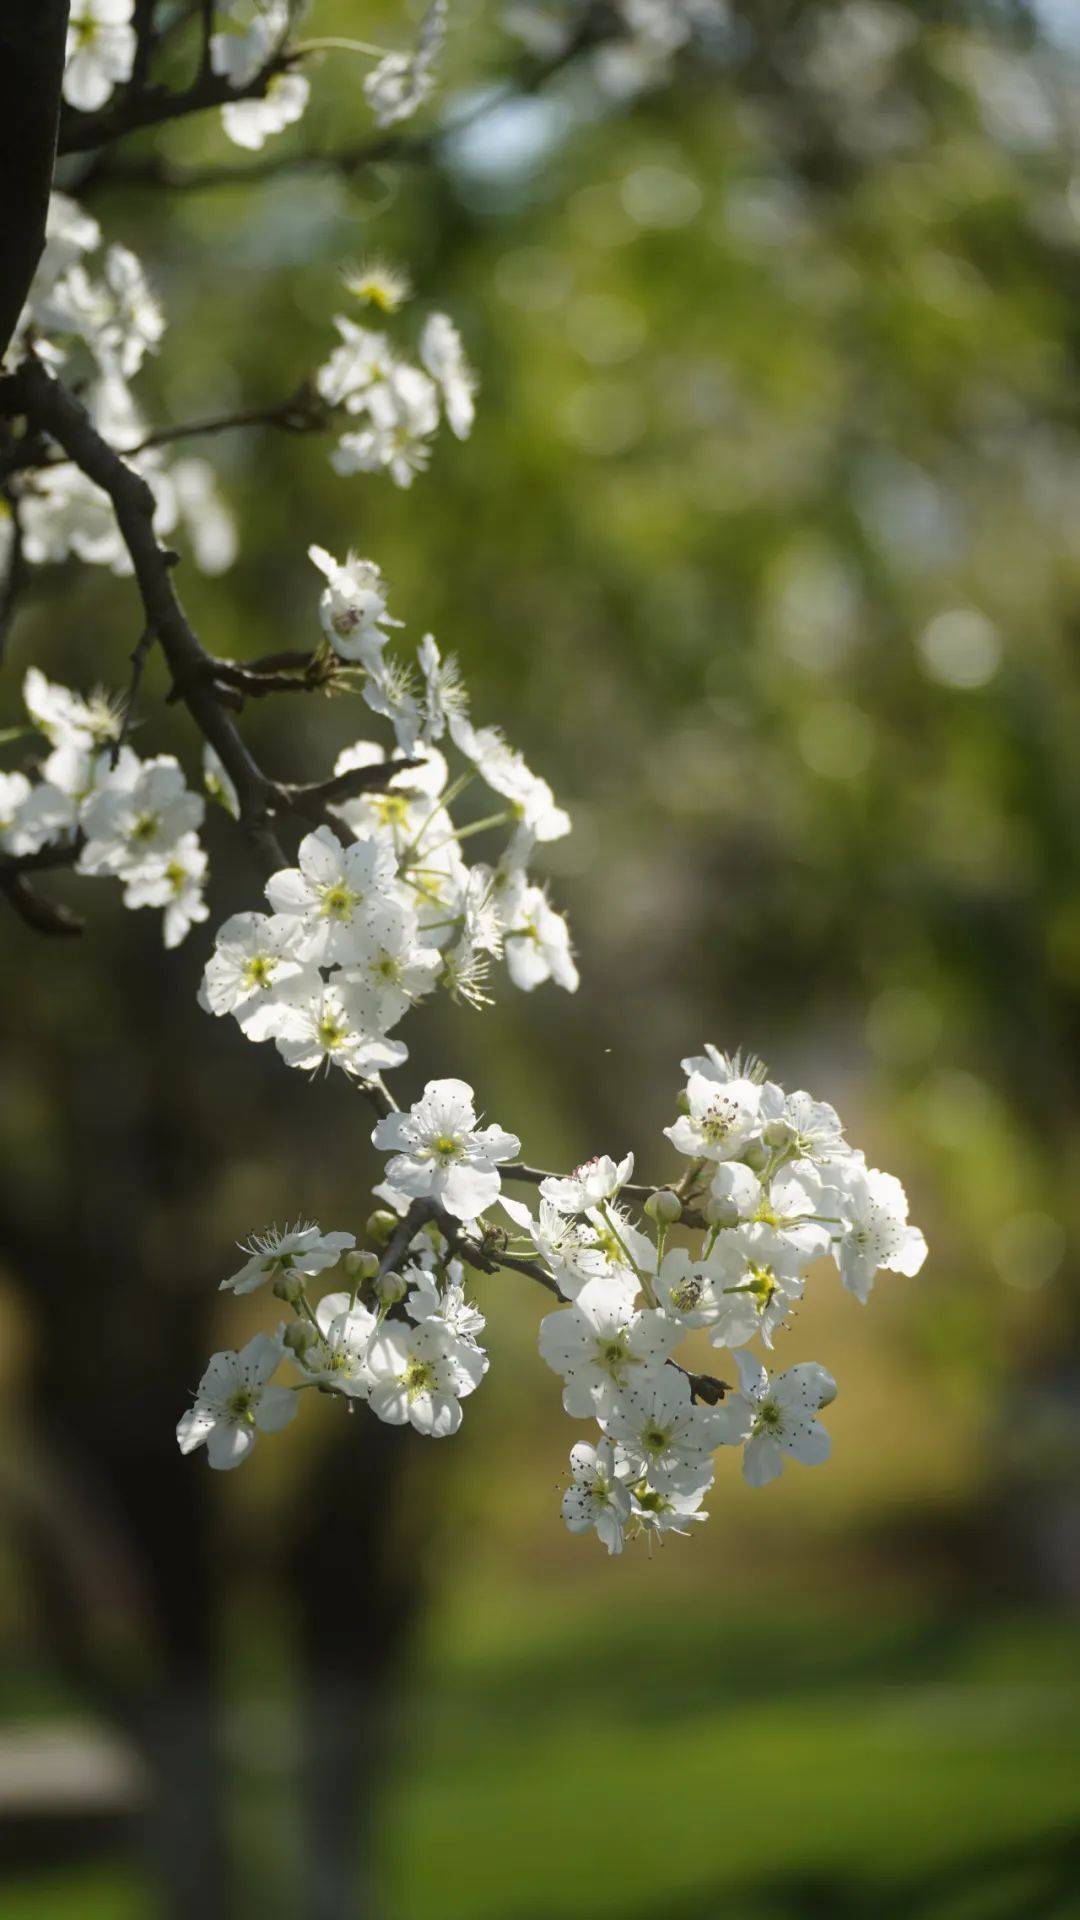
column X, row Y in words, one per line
column 380, row 1226
column 299, row 1337
column 390, row 1287
column 777, row 1133
column 664, row 1207
column 361, row 1266
column 289, row 1286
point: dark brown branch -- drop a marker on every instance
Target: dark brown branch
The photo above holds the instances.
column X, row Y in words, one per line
column 50, row 407
column 33, row 36
column 155, row 106
column 302, row 412
column 44, row 916
column 15, row 574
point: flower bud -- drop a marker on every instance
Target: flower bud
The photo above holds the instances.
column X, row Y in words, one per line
column 390, row 1287
column 664, row 1207
column 720, row 1213
column 361, row 1266
column 777, row 1133
column 298, row 1337
column 289, row 1286
column 380, row 1226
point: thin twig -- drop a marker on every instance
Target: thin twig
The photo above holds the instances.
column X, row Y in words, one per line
column 138, row 663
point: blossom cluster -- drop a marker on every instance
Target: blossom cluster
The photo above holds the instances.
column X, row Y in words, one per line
column 397, row 405
column 408, row 1349
column 770, row 1187
column 91, row 308
column 121, row 816
column 250, row 51
column 376, row 915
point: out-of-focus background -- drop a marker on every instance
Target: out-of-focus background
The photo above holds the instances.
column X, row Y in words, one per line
column 766, row 550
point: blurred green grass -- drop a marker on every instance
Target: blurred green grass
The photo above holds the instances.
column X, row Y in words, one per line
column 796, row 1759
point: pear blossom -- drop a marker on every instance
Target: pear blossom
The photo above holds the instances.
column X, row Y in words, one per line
column 720, row 1119
column 364, row 360
column 65, row 718
column 174, row 882
column 303, row 1249
column 589, row 1185
column 235, row 1402
column 332, row 894
column 776, row 1418
column 323, row 1028
column 505, row 772
column 663, row 1435
column 14, row 793
column 253, row 959
column 600, row 1343
column 390, row 970
column 353, row 607
column 446, row 1303
column 421, row 1374
column 566, row 1245
column 250, row 123
column 538, row 945
column 659, row 1510
column 691, row 1290
column 596, row 1498
column 440, row 1152
column 139, row 813
column 377, row 284
column 100, row 51
column 443, row 355
column 876, row 1232
column 338, row 1357
column 402, row 81
column 759, row 1276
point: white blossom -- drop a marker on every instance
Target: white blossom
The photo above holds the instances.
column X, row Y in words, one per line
column 589, row 1185
column 175, row 883
column 353, row 607
column 250, row 123
column 538, row 945
column 100, row 51
column 235, row 1402
column 280, row 1251
column 441, row 1153
column 443, row 355
column 664, row 1436
column 720, row 1120
column 338, row 1357
column 322, row 1028
column 421, row 1374
column 776, row 1417
column 876, row 1231
column 595, row 1498
column 602, row 1343
column 332, row 894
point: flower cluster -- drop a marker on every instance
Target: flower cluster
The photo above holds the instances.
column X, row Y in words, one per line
column 405, row 1343
column 770, row 1187
column 375, row 916
column 104, row 322
column 119, row 815
column 396, row 403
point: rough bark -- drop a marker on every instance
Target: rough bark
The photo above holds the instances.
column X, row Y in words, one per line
column 33, row 34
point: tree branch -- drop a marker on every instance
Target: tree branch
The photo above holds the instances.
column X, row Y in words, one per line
column 48, row 405
column 155, row 106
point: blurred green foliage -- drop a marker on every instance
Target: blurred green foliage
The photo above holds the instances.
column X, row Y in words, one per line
column 765, row 550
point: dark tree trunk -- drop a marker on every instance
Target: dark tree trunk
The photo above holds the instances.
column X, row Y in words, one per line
column 33, row 34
